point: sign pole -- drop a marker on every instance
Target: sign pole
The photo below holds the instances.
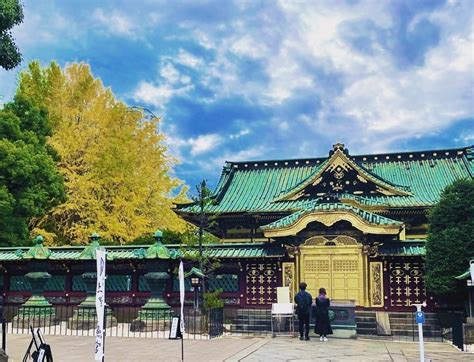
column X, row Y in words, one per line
column 420, row 319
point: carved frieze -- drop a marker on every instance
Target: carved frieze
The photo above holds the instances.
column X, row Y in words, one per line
column 376, row 284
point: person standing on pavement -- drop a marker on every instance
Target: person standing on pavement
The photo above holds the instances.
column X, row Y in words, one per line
column 303, row 302
column 322, row 325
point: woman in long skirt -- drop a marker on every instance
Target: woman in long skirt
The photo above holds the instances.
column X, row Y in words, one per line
column 322, row 325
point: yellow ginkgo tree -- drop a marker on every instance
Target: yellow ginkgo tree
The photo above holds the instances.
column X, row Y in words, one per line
column 114, row 162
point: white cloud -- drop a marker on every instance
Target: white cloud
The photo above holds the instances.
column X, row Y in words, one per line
column 214, row 163
column 170, row 73
column 158, row 95
column 117, row 23
column 241, row 133
column 187, row 59
column 204, row 143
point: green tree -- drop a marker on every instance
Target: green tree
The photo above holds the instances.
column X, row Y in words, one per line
column 450, row 243
column 29, row 182
column 114, row 161
column 11, row 14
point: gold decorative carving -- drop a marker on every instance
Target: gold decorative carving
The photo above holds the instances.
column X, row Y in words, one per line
column 376, row 284
column 345, row 265
column 292, row 250
column 345, row 240
column 316, row 241
column 288, row 274
column 337, row 241
column 339, row 164
column 329, row 219
column 316, row 265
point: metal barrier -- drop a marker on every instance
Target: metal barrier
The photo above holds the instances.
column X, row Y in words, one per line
column 121, row 321
column 452, row 323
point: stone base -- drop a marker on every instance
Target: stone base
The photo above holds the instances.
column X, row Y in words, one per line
column 149, row 325
column 25, row 322
column 196, row 324
column 151, row 319
column 87, row 319
column 469, row 333
column 3, row 356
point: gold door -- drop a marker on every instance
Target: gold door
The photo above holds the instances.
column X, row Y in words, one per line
column 335, row 265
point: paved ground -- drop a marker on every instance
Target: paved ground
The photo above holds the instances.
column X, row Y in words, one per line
column 232, row 349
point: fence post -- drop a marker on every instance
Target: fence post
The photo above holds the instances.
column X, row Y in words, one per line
column 4, row 327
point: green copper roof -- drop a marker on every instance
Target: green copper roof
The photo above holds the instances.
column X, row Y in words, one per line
column 254, row 186
column 331, row 207
column 465, row 275
column 234, row 250
column 405, row 248
column 194, row 271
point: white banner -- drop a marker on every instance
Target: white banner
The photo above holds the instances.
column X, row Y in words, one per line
column 181, row 295
column 472, row 270
column 100, row 305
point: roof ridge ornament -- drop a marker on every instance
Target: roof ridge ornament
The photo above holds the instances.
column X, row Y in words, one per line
column 90, row 250
column 158, row 250
column 38, row 250
column 338, row 147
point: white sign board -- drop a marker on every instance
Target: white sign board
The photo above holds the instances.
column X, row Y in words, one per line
column 174, row 328
column 283, row 295
column 472, row 270
column 282, row 308
column 100, row 305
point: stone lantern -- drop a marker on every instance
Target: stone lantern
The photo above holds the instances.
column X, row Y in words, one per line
column 155, row 314
column 37, row 310
column 85, row 316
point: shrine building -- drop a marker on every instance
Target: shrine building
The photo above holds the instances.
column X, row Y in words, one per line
column 353, row 224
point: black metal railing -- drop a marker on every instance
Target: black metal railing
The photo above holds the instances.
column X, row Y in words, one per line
column 452, row 324
column 120, row 321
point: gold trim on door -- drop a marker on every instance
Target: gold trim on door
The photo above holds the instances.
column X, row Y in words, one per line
column 336, row 265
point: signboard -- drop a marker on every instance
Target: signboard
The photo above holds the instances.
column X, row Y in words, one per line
column 472, row 270
column 175, row 331
column 283, row 295
column 420, row 317
column 100, row 305
column 282, row 308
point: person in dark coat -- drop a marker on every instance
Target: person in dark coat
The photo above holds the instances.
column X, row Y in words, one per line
column 303, row 302
column 322, row 325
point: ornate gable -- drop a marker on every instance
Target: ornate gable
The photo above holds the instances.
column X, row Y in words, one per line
column 341, row 175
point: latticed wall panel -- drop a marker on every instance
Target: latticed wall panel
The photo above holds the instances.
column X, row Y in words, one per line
column 113, row 283
column 261, row 281
column 406, row 282
column 19, row 283
column 224, row 282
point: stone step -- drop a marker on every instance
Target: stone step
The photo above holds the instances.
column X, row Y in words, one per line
column 365, row 320
column 415, row 333
column 366, row 325
column 366, row 331
column 412, row 318
column 409, row 314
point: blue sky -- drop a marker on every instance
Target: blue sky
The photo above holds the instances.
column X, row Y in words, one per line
column 247, row 80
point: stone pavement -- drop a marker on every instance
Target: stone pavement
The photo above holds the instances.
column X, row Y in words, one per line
column 232, row 349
